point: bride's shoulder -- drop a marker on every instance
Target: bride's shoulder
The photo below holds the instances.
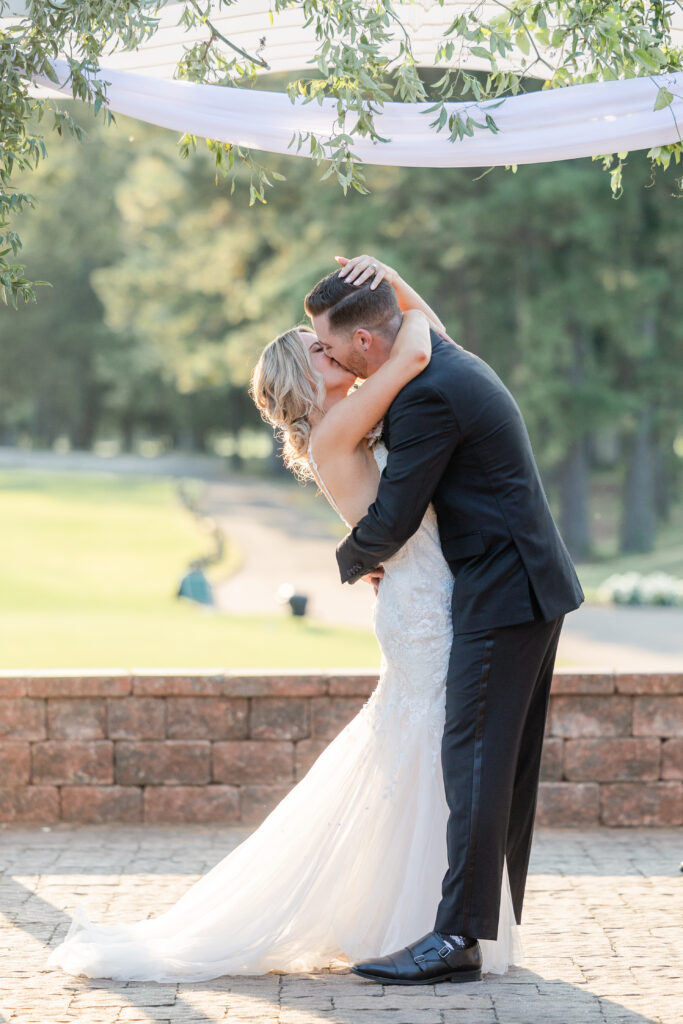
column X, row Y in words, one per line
column 328, row 450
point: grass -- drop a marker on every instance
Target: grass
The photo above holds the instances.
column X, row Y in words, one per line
column 91, row 563
column 90, row 567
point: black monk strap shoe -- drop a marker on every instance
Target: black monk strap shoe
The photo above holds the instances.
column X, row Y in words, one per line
column 424, row 962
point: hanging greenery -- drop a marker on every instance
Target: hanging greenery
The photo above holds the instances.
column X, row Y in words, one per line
column 363, row 58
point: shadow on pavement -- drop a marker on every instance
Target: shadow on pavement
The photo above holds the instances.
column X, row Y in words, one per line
column 589, row 991
column 337, row 997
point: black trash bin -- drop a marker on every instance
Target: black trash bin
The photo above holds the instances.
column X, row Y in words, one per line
column 297, row 603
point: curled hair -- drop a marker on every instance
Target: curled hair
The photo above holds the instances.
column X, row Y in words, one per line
column 286, row 389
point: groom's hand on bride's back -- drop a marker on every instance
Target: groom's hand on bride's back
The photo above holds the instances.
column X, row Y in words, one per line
column 374, row 577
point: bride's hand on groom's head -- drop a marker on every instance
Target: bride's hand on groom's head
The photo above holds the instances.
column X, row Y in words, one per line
column 360, row 269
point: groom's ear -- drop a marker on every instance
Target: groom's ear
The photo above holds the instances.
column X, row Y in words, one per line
column 362, row 339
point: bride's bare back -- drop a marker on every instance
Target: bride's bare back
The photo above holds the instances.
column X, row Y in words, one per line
column 348, row 479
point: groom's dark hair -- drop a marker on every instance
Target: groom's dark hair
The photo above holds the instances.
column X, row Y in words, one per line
column 350, row 305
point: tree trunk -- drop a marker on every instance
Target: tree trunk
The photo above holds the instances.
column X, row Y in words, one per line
column 127, row 428
column 574, row 489
column 639, row 512
column 664, row 478
column 85, row 431
column 574, row 471
column 44, row 428
column 187, row 443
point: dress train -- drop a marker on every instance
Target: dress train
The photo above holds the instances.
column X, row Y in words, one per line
column 350, row 862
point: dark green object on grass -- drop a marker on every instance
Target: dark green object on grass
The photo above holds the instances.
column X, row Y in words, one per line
column 195, row 587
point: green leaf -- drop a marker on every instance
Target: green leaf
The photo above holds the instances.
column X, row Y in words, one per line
column 664, row 99
column 50, row 72
column 646, row 60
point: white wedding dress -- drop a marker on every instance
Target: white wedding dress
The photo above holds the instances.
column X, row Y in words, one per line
column 350, row 862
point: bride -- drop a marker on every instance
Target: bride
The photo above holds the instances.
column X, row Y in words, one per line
column 348, row 865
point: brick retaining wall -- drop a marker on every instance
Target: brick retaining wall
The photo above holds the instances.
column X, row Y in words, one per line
column 197, row 747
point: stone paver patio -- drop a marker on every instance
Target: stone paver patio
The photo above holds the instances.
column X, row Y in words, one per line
column 603, row 933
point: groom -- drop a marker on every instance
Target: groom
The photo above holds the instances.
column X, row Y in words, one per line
column 456, row 438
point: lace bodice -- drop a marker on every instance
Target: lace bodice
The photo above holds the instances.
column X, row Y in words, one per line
column 414, row 628
column 412, row 615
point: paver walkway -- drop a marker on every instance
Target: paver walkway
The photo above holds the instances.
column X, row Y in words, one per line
column 603, row 932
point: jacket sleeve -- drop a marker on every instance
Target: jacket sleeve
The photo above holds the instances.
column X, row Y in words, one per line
column 424, row 435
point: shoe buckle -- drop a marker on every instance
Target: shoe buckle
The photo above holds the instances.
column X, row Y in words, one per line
column 419, row 958
column 444, row 951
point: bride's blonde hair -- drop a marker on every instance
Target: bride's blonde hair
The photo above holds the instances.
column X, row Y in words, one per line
column 287, row 388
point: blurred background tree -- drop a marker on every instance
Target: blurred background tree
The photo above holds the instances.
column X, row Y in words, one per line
column 166, row 288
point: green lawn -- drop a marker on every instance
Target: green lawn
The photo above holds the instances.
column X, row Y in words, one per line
column 90, row 566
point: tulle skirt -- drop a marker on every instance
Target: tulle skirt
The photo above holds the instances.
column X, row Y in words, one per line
column 349, row 864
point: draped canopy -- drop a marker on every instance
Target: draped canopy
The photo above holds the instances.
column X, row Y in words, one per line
column 575, row 121
column 581, row 120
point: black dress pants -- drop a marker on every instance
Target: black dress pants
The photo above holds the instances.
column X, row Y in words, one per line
column 497, row 695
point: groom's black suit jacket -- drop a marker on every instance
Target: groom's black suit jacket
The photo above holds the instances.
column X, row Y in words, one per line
column 456, row 437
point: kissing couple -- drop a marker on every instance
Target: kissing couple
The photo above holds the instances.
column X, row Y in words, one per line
column 404, row 850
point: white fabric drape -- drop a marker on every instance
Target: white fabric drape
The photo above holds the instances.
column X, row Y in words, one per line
column 557, row 124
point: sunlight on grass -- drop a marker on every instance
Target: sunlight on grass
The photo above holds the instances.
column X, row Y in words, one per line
column 177, row 637
column 91, row 564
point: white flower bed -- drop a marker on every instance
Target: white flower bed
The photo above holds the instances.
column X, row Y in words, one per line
column 657, row 588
